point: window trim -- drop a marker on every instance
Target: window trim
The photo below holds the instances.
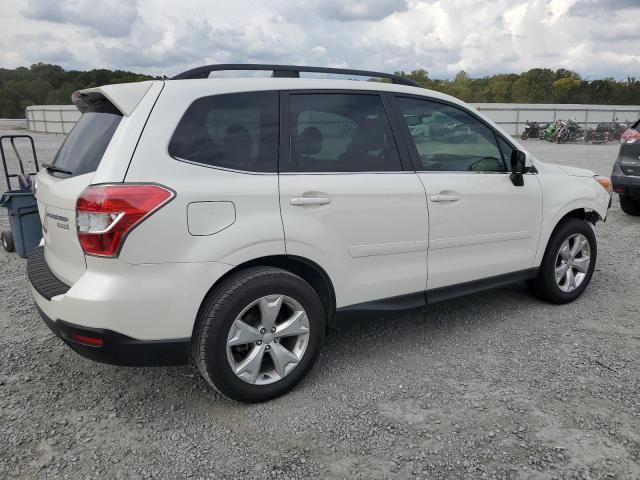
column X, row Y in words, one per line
column 413, row 149
column 228, row 169
column 285, row 156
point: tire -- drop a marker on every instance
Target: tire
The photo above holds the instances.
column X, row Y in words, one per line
column 7, row 241
column 630, row 206
column 525, row 135
column 225, row 305
column 545, row 285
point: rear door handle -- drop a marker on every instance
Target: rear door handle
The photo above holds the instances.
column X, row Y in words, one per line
column 444, row 198
column 302, row 201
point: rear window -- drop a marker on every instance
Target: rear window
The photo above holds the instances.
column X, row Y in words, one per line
column 237, row 131
column 83, row 148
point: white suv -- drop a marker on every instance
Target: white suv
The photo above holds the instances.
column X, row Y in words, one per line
column 231, row 219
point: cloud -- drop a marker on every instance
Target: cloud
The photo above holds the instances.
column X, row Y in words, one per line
column 443, row 37
column 594, row 7
column 109, row 18
column 355, row 10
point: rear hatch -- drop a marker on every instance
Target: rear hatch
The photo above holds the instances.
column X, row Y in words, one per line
column 97, row 138
column 630, row 151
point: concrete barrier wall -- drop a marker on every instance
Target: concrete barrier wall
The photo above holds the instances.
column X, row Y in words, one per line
column 510, row 116
column 513, row 116
column 51, row 118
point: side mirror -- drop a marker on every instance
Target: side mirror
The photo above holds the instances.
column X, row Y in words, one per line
column 518, row 167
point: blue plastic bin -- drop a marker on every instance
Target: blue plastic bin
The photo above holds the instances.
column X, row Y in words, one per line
column 24, row 220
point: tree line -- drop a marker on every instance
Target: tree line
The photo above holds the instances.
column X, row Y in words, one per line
column 538, row 85
column 46, row 84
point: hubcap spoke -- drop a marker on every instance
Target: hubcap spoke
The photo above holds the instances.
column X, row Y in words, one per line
column 582, row 264
column 565, row 251
column 269, row 310
column 241, row 334
column 250, row 366
column 578, row 245
column 297, row 324
column 571, row 279
column 282, row 358
column 561, row 271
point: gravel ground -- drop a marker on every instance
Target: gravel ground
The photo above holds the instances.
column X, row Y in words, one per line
column 496, row 385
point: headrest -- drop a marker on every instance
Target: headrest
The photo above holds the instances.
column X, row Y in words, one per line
column 309, row 141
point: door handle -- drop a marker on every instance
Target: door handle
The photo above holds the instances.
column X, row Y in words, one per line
column 302, row 201
column 444, row 198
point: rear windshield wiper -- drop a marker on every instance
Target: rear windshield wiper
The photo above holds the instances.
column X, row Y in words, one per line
column 53, row 168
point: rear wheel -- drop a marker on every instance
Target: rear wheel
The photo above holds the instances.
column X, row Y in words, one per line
column 258, row 334
column 629, row 205
column 7, row 241
column 568, row 263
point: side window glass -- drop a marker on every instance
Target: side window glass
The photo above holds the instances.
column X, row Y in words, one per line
column 507, row 150
column 341, row 133
column 237, row 131
column 449, row 139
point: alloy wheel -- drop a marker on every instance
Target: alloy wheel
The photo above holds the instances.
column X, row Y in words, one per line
column 572, row 262
column 268, row 339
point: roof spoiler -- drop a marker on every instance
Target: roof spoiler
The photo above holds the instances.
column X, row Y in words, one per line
column 289, row 71
column 119, row 98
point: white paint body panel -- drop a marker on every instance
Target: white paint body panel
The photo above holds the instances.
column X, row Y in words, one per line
column 491, row 230
column 374, row 239
column 371, row 238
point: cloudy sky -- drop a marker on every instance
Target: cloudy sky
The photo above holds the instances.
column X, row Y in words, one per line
column 597, row 38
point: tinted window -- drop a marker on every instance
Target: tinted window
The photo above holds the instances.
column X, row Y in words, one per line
column 341, row 133
column 237, row 131
column 83, row 148
column 507, row 150
column 449, row 139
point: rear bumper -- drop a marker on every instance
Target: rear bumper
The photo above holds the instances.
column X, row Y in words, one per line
column 118, row 349
column 143, row 314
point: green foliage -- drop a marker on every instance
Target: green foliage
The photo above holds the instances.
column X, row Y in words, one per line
column 538, row 85
column 46, row 84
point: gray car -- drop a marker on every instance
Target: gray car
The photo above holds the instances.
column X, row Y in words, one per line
column 626, row 171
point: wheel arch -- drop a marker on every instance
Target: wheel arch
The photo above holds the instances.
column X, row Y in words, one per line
column 306, row 269
column 581, row 213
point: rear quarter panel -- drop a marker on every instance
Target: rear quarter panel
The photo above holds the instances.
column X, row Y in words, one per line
column 165, row 236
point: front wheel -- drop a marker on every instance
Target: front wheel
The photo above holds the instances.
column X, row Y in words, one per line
column 568, row 263
column 525, row 135
column 629, row 205
column 258, row 334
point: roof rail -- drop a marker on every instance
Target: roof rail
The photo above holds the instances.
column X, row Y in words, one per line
column 289, row 71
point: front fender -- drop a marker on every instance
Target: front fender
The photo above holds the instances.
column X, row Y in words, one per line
column 563, row 194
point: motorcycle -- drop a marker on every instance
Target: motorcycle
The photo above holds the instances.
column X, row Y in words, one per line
column 549, row 132
column 568, row 131
column 532, row 130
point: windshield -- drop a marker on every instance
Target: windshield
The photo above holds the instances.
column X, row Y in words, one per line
column 82, row 150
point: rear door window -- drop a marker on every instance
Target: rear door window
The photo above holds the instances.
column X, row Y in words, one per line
column 85, row 145
column 341, row 133
column 237, row 131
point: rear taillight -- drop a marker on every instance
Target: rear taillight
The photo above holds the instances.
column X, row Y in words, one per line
column 105, row 214
column 630, row 136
